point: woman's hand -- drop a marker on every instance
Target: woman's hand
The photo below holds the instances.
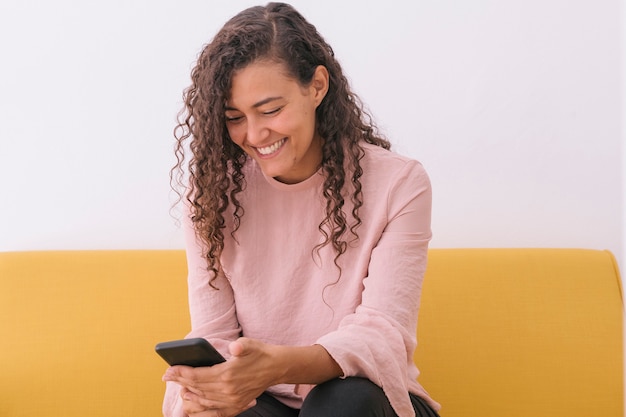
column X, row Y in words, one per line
column 229, row 388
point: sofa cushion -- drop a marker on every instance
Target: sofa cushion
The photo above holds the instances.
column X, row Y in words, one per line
column 522, row 332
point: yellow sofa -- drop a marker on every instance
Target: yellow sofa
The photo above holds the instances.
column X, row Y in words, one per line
column 503, row 332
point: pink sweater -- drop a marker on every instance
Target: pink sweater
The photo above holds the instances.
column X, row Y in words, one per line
column 278, row 290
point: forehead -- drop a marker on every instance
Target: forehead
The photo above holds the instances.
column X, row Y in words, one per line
column 259, row 80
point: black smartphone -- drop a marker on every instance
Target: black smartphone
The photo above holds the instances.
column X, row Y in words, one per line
column 191, row 352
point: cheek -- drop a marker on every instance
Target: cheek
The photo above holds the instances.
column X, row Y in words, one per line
column 302, row 122
column 308, row 117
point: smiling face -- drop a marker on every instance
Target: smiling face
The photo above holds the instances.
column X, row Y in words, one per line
column 272, row 118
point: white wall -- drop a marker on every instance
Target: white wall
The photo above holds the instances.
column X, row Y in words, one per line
column 515, row 108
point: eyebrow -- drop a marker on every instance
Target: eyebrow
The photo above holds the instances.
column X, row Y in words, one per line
column 259, row 103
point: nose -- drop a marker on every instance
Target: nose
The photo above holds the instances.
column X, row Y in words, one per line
column 257, row 132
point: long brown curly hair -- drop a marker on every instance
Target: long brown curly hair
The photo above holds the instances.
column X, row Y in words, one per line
column 276, row 33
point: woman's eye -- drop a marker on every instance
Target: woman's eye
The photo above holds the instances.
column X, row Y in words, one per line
column 274, row 111
column 233, row 119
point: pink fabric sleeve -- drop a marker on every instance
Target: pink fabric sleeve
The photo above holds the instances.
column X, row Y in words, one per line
column 378, row 340
column 212, row 311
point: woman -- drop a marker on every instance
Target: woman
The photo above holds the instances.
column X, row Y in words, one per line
column 306, row 237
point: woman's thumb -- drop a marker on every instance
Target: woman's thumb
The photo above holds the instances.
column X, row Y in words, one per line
column 237, row 348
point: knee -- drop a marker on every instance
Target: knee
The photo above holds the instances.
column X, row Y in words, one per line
column 346, row 398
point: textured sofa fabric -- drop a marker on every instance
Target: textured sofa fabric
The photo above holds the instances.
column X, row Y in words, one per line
column 502, row 332
column 522, row 332
column 78, row 331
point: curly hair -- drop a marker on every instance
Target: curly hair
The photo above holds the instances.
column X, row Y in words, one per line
column 274, row 33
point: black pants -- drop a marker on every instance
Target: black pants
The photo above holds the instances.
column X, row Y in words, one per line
column 350, row 397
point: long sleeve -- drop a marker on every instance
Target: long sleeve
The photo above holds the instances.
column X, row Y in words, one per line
column 377, row 341
column 213, row 314
column 212, row 311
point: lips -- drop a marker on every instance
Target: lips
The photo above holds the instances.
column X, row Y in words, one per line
column 268, row 150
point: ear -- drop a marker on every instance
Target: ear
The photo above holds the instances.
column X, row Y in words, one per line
column 319, row 84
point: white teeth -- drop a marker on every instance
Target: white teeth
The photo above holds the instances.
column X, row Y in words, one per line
column 272, row 148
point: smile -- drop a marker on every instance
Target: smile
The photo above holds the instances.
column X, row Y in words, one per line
column 268, row 150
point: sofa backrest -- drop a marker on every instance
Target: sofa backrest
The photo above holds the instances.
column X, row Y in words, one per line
column 522, row 332
column 78, row 331
column 505, row 332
